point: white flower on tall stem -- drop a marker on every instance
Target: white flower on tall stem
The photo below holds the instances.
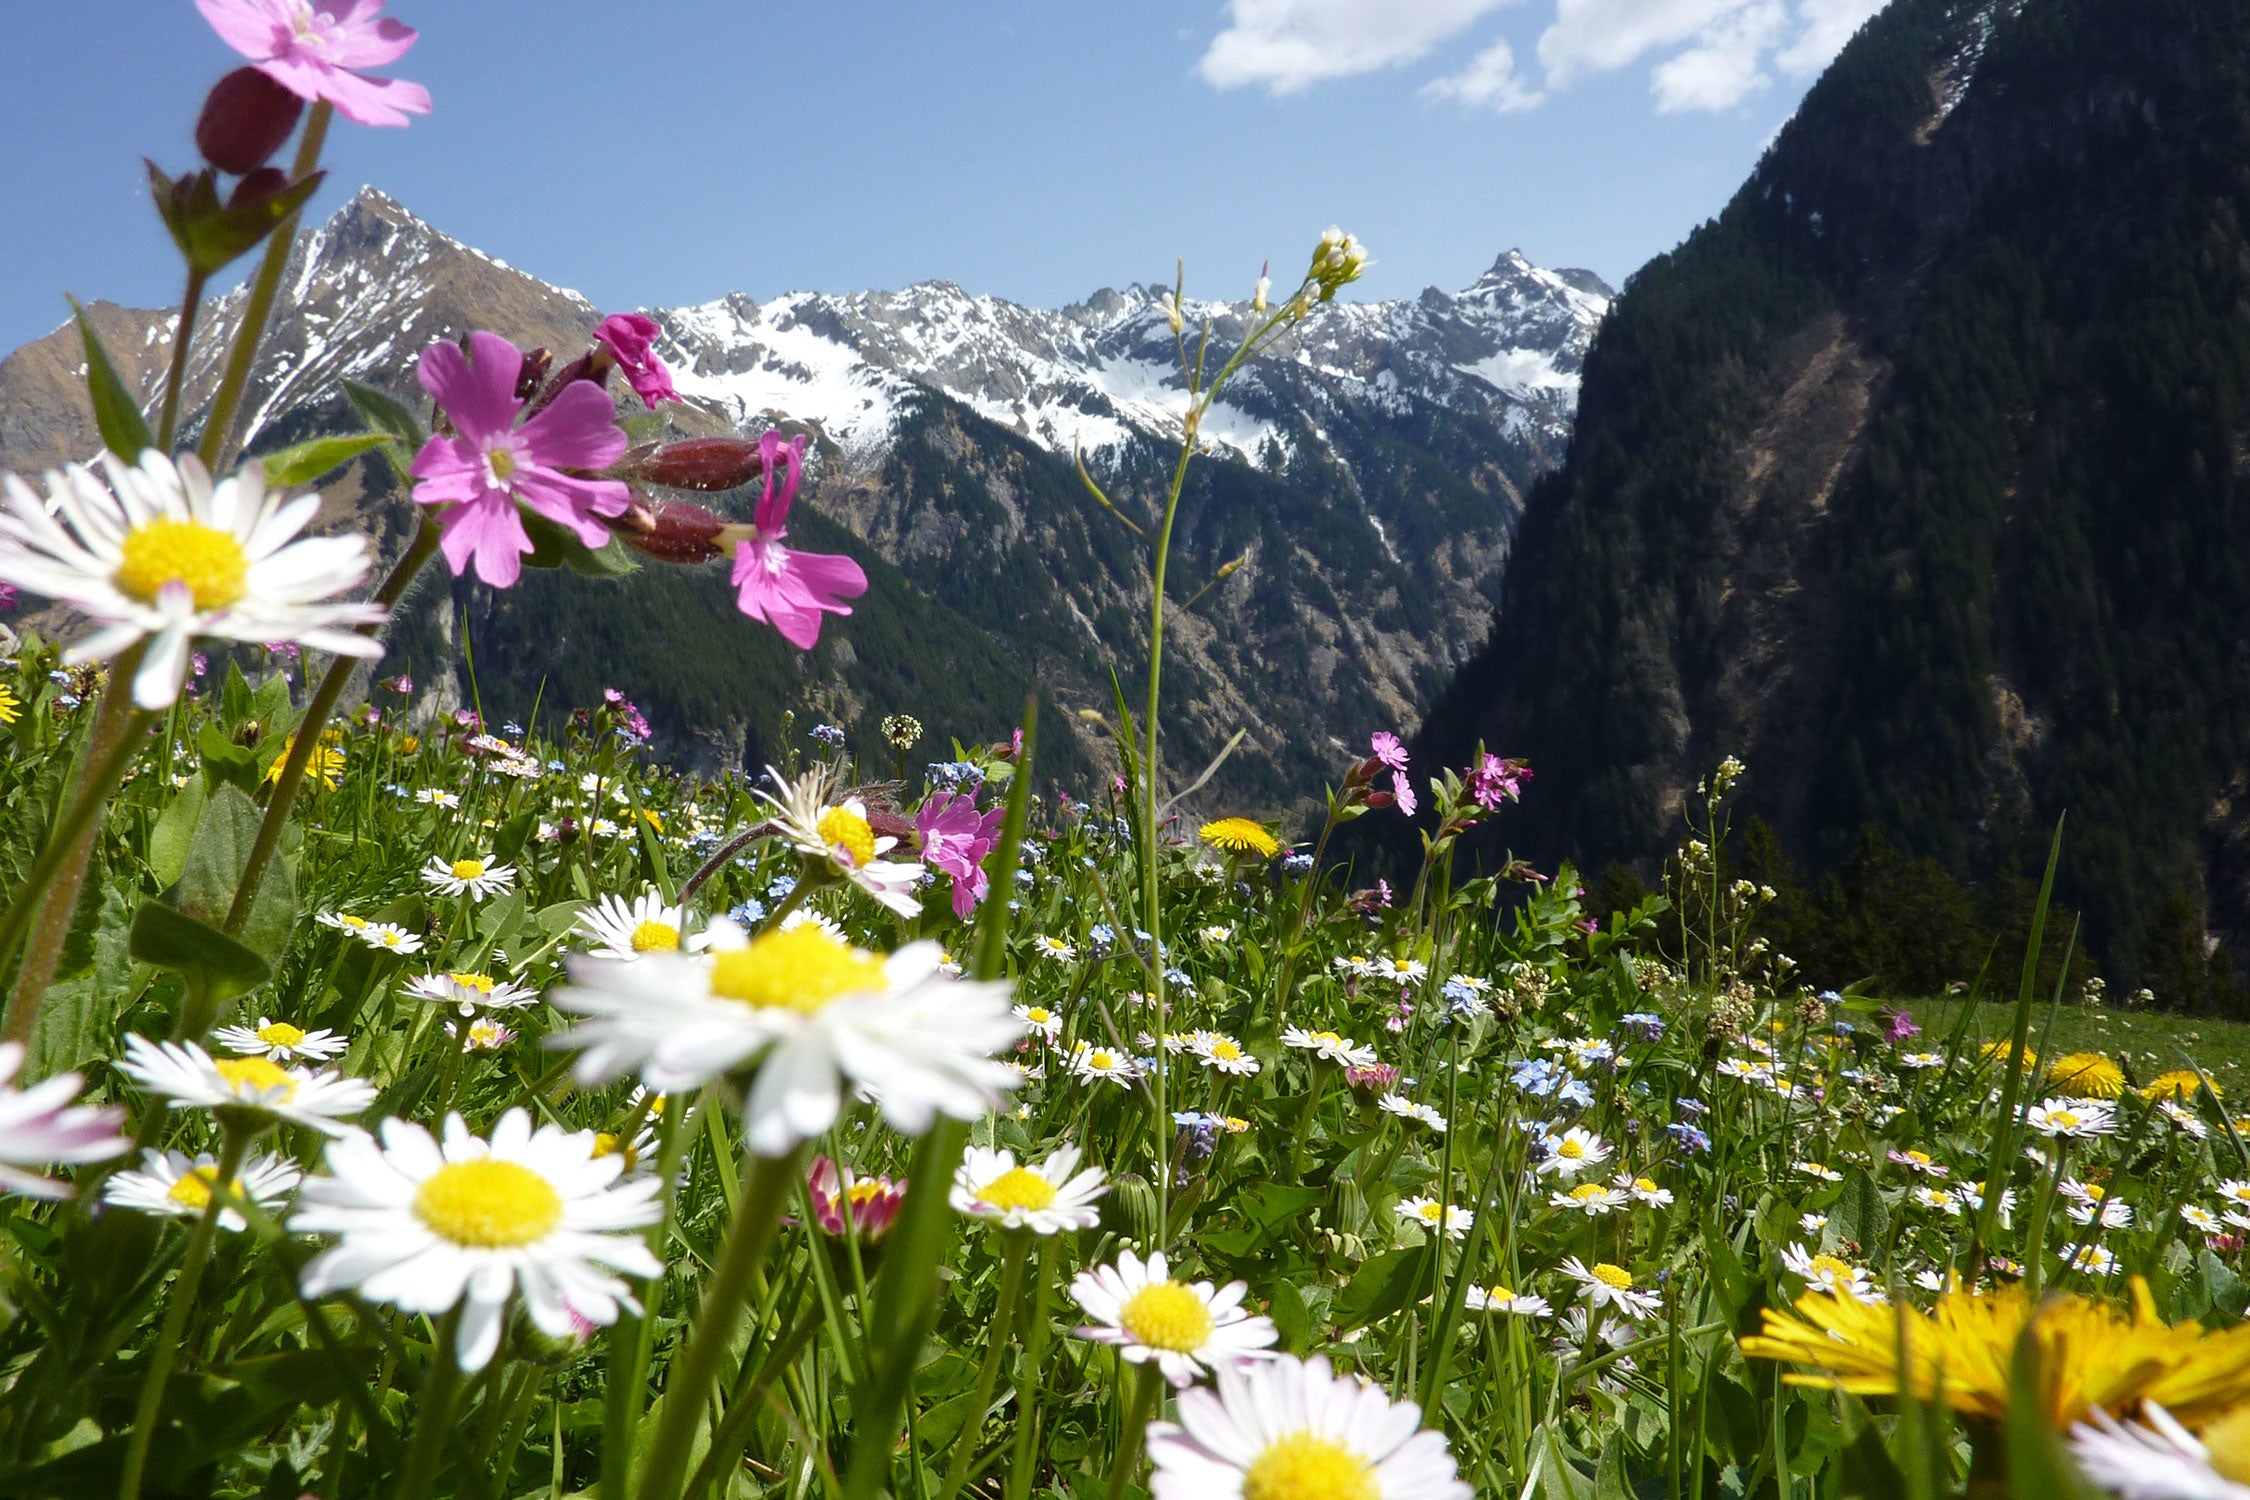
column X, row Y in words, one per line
column 1045, row 1199
column 1831, row 1274
column 1039, row 1020
column 476, row 876
column 40, row 1127
column 1185, row 1327
column 812, row 1011
column 184, row 1072
column 648, row 923
column 178, row 1185
column 2071, row 1119
column 161, row 554
column 1223, row 1053
column 1572, row 1152
column 1291, row 1429
column 1407, row 1109
column 837, row 832
column 426, row 1227
column 1432, row 1215
column 281, row 1041
column 469, row 993
column 1329, row 1045
column 1606, row 1285
column 1099, row 1064
column 1501, row 1299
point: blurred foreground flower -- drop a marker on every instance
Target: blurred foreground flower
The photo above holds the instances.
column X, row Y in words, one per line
column 315, row 50
column 40, row 1127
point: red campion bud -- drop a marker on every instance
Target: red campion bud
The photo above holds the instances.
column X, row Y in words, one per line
column 706, row 464
column 246, row 118
column 258, row 185
column 535, row 363
column 674, row 531
column 1380, row 800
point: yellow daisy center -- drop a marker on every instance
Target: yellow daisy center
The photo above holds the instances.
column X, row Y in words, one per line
column 481, row 983
column 2063, row 1119
column 1038, row 1016
column 841, row 828
column 1586, row 1190
column 1306, row 1466
column 1829, row 1265
column 1101, row 1058
column 1615, row 1277
column 280, row 1034
column 193, row 1190
column 356, row 924
column 488, row 1204
column 802, row 969
column 1226, row 1051
column 1330, row 1037
column 1500, row 1294
column 655, row 937
column 1571, row 1150
column 209, row 561
column 1431, row 1213
column 256, row 1073
column 863, row 1192
column 1018, row 1187
column 468, row 869
column 1166, row 1315
column 1646, row 1185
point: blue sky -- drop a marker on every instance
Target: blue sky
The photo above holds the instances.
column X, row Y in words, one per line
column 670, row 151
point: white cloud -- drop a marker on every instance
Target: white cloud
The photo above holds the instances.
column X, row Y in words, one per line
column 1489, row 81
column 1723, row 67
column 1828, row 24
column 1288, row 45
column 1596, row 36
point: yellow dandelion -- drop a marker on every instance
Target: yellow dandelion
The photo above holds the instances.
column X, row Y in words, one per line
column 2180, row 1083
column 1995, row 1051
column 2088, row 1075
column 11, row 707
column 1239, row 836
column 325, row 767
column 2093, row 1354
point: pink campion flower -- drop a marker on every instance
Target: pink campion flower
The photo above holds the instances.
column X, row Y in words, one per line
column 40, row 1127
column 316, row 49
column 1402, row 792
column 786, row 589
column 631, row 340
column 1901, row 1027
column 1493, row 781
column 491, row 465
column 1388, row 750
column 955, row 840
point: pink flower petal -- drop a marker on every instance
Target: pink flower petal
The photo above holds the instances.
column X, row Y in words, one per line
column 578, row 430
column 477, row 390
column 249, row 28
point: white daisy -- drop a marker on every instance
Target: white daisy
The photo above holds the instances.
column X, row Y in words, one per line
column 2152, row 1459
column 1327, row 1044
column 162, row 554
column 1644, row 1190
column 40, row 1127
column 1812, row 1223
column 1040, row 1020
column 1044, row 1199
column 477, row 875
column 1223, row 1053
column 1097, row 1064
column 469, row 993
column 1428, row 1213
column 1185, row 1327
column 1291, row 1429
column 2197, row 1216
column 646, row 924
column 1828, row 1273
column 1971, row 1196
column 2187, row 1119
column 1606, row 1285
column 1572, row 1152
column 1401, row 971
column 1215, row 934
column 426, row 1228
column 812, row 1011
column 1054, row 948
column 1353, row 966
column 342, row 921
column 1591, row 1199
column 173, row 1183
column 389, row 937
column 1820, row 1170
column 1407, row 1109
column 2071, row 1119
column 485, row 1035
column 185, row 1072
column 2091, row 1259
column 1919, row 1060
column 430, row 796
column 2090, row 1200
column 1500, row 1299
column 281, row 1041
column 821, row 828
column 1936, row 1198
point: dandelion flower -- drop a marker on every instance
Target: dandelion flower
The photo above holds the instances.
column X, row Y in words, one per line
column 1045, row 1199
column 477, row 876
column 40, row 1127
column 178, row 1185
column 1240, row 837
column 280, row 1041
column 812, row 1011
column 2087, row 1075
column 1184, row 1327
column 184, row 1072
column 1606, row 1285
column 161, row 554
column 425, row 1227
column 627, row 929
column 2178, row 1084
column 11, row 707
column 1291, row 1429
column 1999, row 1051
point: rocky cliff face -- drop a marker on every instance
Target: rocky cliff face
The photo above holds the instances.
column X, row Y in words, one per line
column 1914, row 478
column 1370, row 477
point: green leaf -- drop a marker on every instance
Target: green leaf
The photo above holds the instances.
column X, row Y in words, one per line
column 168, row 841
column 309, row 461
column 172, row 939
column 78, row 1019
column 214, row 869
column 1381, row 1287
column 387, row 413
column 213, row 233
column 557, row 546
column 1860, row 1214
column 1292, row 1317
column 125, row 431
column 2227, row 1290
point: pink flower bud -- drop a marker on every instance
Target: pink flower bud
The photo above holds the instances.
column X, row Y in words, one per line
column 675, row 531
column 246, row 118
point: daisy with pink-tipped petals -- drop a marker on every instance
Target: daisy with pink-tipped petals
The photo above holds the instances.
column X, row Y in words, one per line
column 777, row 585
column 40, row 1127
column 317, row 50
column 489, row 465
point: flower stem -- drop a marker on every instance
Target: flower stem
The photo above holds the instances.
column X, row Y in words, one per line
column 218, row 427
column 1145, row 1392
column 190, row 304
column 1020, row 1465
column 1001, row 1335
column 313, row 724
column 436, row 1399
column 724, row 1295
column 167, row 1350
